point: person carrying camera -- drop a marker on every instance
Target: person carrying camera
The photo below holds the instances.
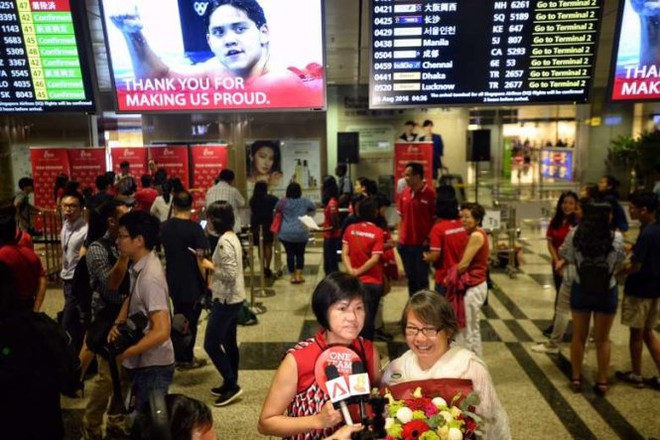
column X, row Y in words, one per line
column 107, row 276
column 148, row 353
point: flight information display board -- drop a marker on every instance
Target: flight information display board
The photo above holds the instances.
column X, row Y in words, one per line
column 433, row 52
column 43, row 67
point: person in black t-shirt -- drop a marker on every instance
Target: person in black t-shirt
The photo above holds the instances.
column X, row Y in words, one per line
column 262, row 206
column 185, row 245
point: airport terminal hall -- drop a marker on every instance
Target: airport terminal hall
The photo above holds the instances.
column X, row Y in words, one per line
column 329, row 219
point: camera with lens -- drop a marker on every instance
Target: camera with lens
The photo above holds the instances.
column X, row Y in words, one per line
column 130, row 333
column 374, row 427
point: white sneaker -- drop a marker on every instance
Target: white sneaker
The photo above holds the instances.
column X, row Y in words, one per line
column 546, row 347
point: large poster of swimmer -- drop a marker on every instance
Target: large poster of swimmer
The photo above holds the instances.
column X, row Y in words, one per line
column 215, row 54
column 636, row 73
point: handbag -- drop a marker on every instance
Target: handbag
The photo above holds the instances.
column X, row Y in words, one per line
column 276, row 225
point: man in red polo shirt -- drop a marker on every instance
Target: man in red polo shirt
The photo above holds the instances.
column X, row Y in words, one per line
column 447, row 238
column 417, row 210
column 362, row 248
column 24, row 263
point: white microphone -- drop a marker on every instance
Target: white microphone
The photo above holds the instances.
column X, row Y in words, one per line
column 338, row 391
column 358, row 383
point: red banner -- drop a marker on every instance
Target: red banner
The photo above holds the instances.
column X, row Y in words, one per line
column 405, row 152
column 174, row 158
column 135, row 156
column 86, row 164
column 207, row 162
column 47, row 163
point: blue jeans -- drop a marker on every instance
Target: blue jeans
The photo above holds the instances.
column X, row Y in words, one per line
column 150, row 380
column 417, row 270
column 220, row 340
column 330, row 256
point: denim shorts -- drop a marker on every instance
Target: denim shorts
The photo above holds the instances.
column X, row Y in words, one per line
column 606, row 304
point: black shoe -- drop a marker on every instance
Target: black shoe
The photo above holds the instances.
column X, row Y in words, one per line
column 218, row 391
column 382, row 335
column 548, row 332
column 228, row 396
column 268, row 273
column 192, row 365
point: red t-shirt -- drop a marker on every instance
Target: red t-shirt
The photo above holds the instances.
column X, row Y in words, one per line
column 417, row 211
column 365, row 239
column 448, row 237
column 24, row 239
column 558, row 235
column 144, row 198
column 478, row 269
column 331, row 210
column 27, row 269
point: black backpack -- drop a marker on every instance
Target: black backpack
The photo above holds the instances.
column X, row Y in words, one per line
column 81, row 288
column 594, row 275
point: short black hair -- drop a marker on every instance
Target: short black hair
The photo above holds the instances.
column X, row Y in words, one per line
column 410, row 123
column 102, row 182
column 144, row 224
column 145, row 180
column 430, row 308
column 337, row 286
column 183, row 200
column 293, row 191
column 417, row 168
column 252, row 9
column 446, row 208
column 227, row 175
column 125, row 164
column 24, row 182
column 427, row 123
column 76, row 195
column 644, row 199
column 221, row 216
column 187, row 414
column 367, row 209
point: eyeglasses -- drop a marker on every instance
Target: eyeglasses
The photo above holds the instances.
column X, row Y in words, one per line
column 70, row 206
column 429, row 332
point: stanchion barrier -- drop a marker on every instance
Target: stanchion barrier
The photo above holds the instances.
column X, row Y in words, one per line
column 49, row 222
column 256, row 307
column 277, row 256
column 263, row 291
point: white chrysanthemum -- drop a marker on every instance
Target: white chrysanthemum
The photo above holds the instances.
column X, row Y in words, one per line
column 404, row 415
column 389, row 421
column 439, row 402
column 447, row 416
column 455, row 434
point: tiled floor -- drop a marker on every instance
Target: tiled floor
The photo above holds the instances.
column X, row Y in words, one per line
column 533, row 387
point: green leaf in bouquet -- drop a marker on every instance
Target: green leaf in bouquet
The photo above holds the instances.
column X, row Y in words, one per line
column 472, row 399
column 473, row 416
column 436, row 421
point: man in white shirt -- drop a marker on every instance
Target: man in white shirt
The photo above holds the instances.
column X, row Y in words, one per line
column 72, row 237
column 225, row 191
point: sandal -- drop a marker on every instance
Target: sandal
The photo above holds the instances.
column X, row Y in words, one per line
column 600, row 388
column 576, row 385
column 631, row 378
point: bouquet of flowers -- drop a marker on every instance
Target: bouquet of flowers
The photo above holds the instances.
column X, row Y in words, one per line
column 423, row 418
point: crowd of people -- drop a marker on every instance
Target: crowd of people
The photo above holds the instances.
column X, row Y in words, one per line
column 137, row 270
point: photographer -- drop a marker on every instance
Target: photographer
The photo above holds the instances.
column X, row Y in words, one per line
column 148, row 355
column 109, row 281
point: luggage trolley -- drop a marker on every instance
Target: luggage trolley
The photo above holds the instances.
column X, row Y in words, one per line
column 257, row 307
column 501, row 225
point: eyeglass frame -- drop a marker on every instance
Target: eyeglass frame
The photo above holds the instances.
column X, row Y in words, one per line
column 407, row 331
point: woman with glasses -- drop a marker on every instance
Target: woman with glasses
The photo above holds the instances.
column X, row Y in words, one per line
column 429, row 325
